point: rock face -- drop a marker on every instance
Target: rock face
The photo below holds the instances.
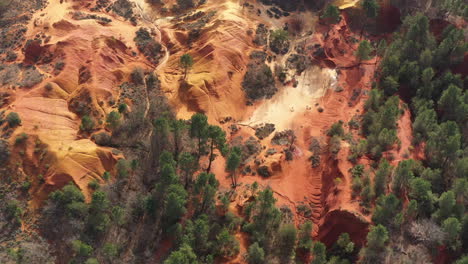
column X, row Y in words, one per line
column 70, row 68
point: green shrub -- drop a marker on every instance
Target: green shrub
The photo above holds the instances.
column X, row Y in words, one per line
column 21, row 138
column 13, row 119
column 87, row 124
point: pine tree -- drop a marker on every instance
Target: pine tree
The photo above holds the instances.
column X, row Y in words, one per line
column 186, row 62
column 217, row 139
column 364, row 50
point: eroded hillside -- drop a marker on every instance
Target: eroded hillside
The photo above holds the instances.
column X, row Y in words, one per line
column 97, row 100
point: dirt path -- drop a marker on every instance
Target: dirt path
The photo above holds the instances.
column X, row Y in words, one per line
column 148, row 21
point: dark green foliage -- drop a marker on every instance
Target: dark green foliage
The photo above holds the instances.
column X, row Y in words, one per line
column 188, row 164
column 232, row 163
column 364, row 50
column 184, row 255
column 87, row 124
column 122, row 108
column 381, row 177
column 227, row 244
column 13, row 211
column 259, row 82
column 424, row 124
column 174, row 204
column 204, row 192
column 390, row 85
column 69, row 201
column 345, row 244
column 21, row 138
column 446, row 206
column 81, row 249
column 98, row 220
column 122, row 168
column 336, row 130
column 93, row 184
column 386, row 209
column 421, row 192
column 217, row 138
column 13, row 119
column 319, row 252
column 453, row 228
column 331, row 14
column 371, row 7
column 305, row 242
column 113, row 119
column 264, row 218
column 186, row 62
column 287, row 240
column 279, row 41
column 256, row 255
column 110, row 251
column 453, row 104
column 4, row 152
column 402, row 176
column 199, row 131
column 375, row 247
column 443, row 145
column 334, row 145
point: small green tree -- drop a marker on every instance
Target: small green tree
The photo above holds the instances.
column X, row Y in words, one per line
column 113, row 119
column 305, row 242
column 364, row 50
column 453, row 228
column 371, row 7
column 287, row 240
column 232, row 163
column 199, row 130
column 227, row 245
column 81, row 249
column 375, row 247
column 123, row 108
column 446, row 206
column 87, row 124
column 256, row 255
column 319, row 252
column 186, row 62
column 381, row 177
column 345, row 244
column 188, row 164
column 184, row 255
column 217, row 139
column 336, row 130
column 13, row 119
column 387, row 208
column 331, row 14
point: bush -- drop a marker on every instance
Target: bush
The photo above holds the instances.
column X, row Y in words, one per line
column 13, row 119
column 259, row 82
column 81, row 249
column 94, row 184
column 264, row 171
column 4, row 152
column 336, row 130
column 87, row 124
column 256, row 255
column 102, row 138
column 21, row 138
column 13, row 211
column 122, row 168
column 123, row 108
column 279, row 41
column 113, row 119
